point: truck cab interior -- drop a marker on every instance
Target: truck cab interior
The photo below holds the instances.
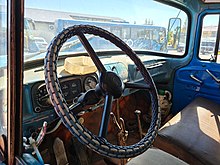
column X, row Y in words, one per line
column 110, row 82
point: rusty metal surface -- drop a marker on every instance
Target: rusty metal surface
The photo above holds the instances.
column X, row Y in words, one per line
column 15, row 77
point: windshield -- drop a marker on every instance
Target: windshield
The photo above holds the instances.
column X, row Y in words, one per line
column 142, row 24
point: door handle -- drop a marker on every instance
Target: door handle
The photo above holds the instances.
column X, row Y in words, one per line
column 213, row 76
column 196, row 79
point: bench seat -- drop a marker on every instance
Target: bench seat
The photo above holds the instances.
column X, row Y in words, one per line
column 193, row 135
column 154, row 156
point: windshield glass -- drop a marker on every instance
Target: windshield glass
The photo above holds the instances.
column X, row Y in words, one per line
column 143, row 25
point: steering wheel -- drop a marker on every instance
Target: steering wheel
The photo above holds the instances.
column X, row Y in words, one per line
column 110, row 86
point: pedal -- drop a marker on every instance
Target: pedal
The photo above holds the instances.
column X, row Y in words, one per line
column 60, row 153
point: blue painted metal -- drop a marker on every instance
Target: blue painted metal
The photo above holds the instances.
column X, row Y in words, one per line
column 185, row 87
column 32, row 120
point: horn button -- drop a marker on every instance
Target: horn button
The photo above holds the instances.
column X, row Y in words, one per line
column 111, row 83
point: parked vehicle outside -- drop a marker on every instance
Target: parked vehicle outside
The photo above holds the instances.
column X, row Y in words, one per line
column 41, row 43
column 207, row 47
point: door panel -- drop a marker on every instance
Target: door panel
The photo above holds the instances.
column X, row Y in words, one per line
column 195, row 81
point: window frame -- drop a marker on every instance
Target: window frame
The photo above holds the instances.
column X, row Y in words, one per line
column 15, row 33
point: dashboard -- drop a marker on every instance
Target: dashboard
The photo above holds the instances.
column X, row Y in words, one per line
column 37, row 106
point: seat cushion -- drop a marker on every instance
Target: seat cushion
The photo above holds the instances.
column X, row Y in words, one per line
column 155, row 156
column 193, row 134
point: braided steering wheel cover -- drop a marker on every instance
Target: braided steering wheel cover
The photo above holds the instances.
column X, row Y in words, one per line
column 97, row 144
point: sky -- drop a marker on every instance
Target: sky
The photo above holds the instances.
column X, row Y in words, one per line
column 130, row 10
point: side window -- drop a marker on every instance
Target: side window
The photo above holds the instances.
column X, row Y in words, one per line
column 3, row 68
column 208, row 38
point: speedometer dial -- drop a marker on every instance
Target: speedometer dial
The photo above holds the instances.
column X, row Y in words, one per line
column 42, row 96
column 90, row 83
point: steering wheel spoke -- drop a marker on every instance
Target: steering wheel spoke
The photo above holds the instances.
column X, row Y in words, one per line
column 105, row 116
column 91, row 52
column 89, row 98
column 137, row 86
column 76, row 108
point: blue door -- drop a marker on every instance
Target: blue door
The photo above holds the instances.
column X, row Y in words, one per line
column 201, row 77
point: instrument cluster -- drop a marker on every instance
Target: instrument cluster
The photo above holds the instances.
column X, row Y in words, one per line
column 71, row 87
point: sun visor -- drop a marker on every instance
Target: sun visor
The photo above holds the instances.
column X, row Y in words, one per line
column 79, row 65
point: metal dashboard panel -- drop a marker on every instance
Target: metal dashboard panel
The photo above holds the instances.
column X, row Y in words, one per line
column 155, row 67
column 33, row 119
